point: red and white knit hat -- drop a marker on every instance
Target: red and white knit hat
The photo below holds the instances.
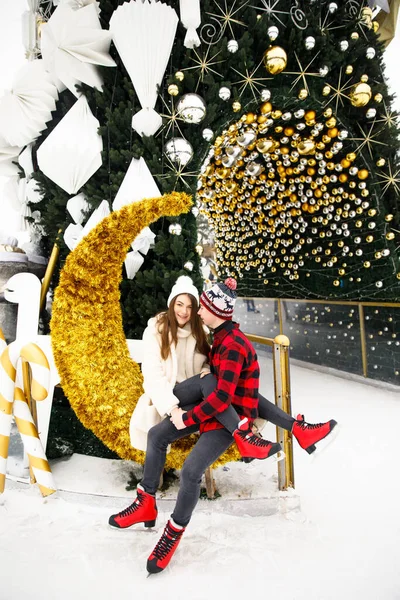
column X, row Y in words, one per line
column 220, row 299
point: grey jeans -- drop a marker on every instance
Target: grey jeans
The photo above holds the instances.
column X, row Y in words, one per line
column 210, row 445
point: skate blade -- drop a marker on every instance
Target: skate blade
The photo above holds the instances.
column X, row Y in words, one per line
column 325, row 443
column 135, row 527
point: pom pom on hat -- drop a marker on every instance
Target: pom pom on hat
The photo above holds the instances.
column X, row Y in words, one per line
column 231, row 283
column 183, row 285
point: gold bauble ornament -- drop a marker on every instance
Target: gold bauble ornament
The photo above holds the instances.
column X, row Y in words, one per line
column 378, row 97
column 375, row 25
column 303, row 93
column 351, row 156
column 289, row 131
column 309, row 117
column 266, row 108
column 179, row 76
column 364, row 78
column 331, row 122
column 236, row 106
column 367, row 264
column 362, row 174
column 334, row 132
column 276, row 114
column 336, row 282
column 349, row 70
column 275, row 60
column 326, row 90
column 360, row 94
column 354, row 35
column 380, row 162
column 389, row 218
column 369, row 238
column 173, row 89
column 328, row 113
column 390, row 235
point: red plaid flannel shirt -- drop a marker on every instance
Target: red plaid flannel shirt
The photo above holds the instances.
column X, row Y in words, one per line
column 233, row 361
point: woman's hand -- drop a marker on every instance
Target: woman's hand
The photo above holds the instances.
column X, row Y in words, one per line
column 177, row 418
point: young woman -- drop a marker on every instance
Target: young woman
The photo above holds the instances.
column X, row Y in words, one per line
column 176, row 371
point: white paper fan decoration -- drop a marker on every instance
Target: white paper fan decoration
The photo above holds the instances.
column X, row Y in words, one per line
column 9, row 155
column 73, row 43
column 78, row 208
column 137, row 184
column 103, row 210
column 25, row 160
column 72, row 235
column 77, row 4
column 32, row 192
column 143, row 33
column 72, row 151
column 27, row 107
column 133, row 262
column 144, row 240
column 191, row 19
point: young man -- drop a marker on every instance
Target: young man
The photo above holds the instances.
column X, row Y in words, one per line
column 234, row 363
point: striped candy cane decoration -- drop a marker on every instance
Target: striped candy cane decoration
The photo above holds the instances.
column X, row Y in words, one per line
column 14, row 400
column 5, row 421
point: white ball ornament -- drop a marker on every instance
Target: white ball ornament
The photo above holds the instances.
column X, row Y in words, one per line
column 232, row 46
column 191, row 108
column 343, row 45
column 175, row 229
column 370, row 53
column 188, row 265
column 309, row 42
column 273, row 32
column 371, row 113
column 265, row 95
column 332, row 7
column 324, row 71
column 208, row 134
column 224, row 93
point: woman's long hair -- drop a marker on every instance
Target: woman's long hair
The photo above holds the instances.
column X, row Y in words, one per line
column 168, row 326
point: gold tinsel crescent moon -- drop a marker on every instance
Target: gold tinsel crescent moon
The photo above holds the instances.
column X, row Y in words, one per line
column 97, row 374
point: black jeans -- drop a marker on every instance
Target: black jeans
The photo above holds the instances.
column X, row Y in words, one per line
column 195, row 389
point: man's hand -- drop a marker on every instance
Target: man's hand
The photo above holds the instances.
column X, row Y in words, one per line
column 177, row 418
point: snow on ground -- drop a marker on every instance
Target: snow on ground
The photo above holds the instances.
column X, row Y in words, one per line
column 343, row 543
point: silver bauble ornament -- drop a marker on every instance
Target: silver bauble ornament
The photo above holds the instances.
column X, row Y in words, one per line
column 224, row 93
column 309, row 42
column 371, row 113
column 265, row 95
column 208, row 134
column 232, row 46
column 332, row 7
column 273, row 32
column 179, row 151
column 324, row 71
column 191, row 108
column 370, row 53
column 343, row 45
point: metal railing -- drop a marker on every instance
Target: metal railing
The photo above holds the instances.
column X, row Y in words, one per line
column 280, row 356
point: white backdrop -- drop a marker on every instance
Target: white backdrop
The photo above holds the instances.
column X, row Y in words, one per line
column 12, row 56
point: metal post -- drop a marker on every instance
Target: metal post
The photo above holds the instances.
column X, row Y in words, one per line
column 363, row 340
column 282, row 399
column 51, row 265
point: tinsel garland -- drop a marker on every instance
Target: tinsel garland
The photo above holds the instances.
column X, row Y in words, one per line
column 97, row 374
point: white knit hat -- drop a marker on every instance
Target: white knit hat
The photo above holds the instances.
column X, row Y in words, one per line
column 183, row 285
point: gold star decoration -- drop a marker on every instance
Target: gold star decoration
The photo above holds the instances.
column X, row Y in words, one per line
column 339, row 91
column 303, row 73
column 390, row 179
column 367, row 139
column 390, row 118
column 225, row 17
column 172, row 117
column 177, row 171
column 204, row 65
column 269, row 9
column 249, row 79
